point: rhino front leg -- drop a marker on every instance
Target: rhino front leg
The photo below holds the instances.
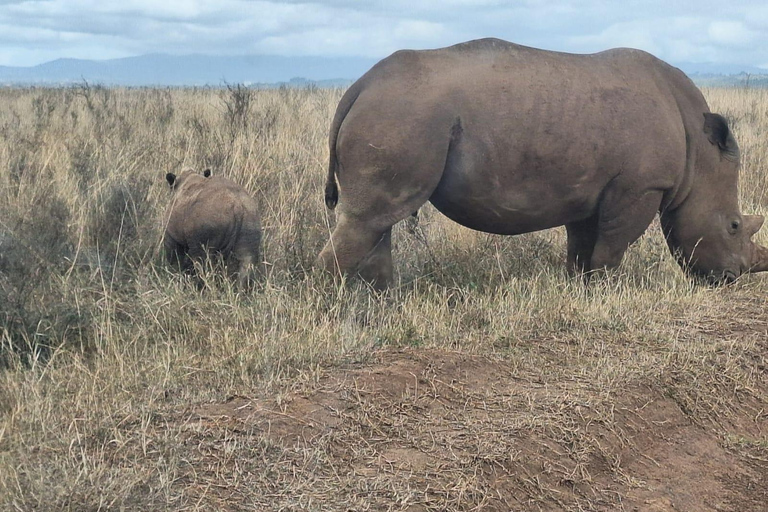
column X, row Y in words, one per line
column 582, row 236
column 622, row 218
column 176, row 254
column 358, row 247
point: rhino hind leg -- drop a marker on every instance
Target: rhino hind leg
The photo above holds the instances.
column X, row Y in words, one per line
column 245, row 268
column 385, row 184
column 376, row 268
column 242, row 271
column 357, row 247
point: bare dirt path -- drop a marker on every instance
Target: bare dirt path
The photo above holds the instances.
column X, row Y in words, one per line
column 425, row 430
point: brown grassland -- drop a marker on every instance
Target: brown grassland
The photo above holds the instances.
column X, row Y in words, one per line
column 484, row 380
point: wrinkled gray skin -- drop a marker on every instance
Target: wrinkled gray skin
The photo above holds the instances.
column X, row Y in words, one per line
column 214, row 214
column 507, row 139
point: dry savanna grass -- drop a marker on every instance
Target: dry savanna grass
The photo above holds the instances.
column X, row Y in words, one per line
column 485, row 380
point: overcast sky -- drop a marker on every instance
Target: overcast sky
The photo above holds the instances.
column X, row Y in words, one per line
column 32, row 32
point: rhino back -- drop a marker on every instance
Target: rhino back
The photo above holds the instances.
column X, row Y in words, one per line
column 212, row 214
column 537, row 135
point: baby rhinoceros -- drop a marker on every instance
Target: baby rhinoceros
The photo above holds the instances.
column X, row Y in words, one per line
column 211, row 215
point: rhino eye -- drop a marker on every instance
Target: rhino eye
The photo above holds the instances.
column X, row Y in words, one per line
column 735, row 225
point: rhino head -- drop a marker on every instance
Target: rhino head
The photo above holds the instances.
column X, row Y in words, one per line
column 175, row 181
column 707, row 231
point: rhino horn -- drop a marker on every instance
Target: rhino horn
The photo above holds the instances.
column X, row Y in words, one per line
column 759, row 258
column 753, row 223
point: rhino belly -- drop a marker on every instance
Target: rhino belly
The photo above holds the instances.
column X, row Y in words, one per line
column 510, row 213
column 512, row 199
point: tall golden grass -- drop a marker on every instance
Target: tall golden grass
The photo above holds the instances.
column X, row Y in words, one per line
column 98, row 336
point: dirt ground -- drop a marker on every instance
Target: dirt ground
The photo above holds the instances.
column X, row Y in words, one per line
column 422, row 430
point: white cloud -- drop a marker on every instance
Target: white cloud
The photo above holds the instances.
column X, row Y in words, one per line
column 756, row 17
column 732, row 33
column 37, row 29
column 418, row 30
column 376, row 39
column 682, row 39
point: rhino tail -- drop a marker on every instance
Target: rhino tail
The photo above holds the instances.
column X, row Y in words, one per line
column 345, row 105
column 331, row 191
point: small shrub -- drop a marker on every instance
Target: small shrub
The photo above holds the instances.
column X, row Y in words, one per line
column 237, row 100
column 120, row 220
column 33, row 248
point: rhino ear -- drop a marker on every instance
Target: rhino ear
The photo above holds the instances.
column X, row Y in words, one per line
column 207, row 173
column 171, row 179
column 716, row 128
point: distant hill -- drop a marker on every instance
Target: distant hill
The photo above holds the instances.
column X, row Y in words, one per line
column 745, row 80
column 180, row 70
column 725, row 75
column 709, row 68
column 270, row 70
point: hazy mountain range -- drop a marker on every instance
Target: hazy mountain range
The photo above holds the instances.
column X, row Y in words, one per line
column 180, row 70
column 200, row 70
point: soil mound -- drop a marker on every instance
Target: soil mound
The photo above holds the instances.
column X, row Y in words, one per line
column 422, row 430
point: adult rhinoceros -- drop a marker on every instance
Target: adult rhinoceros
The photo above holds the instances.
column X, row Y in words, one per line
column 508, row 139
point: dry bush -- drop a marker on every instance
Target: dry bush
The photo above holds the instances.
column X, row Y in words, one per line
column 99, row 338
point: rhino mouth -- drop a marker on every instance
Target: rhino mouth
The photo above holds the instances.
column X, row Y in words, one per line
column 712, row 277
column 721, row 278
